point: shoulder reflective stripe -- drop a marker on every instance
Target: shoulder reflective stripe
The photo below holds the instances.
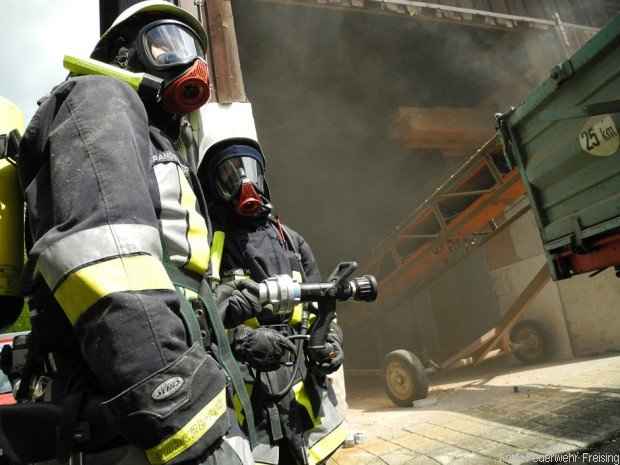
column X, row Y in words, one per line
column 187, row 436
column 173, row 217
column 217, row 250
column 327, row 446
column 197, row 233
column 95, row 244
column 252, row 323
column 87, row 285
column 301, row 396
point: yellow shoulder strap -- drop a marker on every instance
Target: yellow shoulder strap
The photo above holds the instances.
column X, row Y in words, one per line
column 217, row 250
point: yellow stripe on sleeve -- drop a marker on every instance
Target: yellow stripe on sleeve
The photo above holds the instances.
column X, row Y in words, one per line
column 197, row 234
column 84, row 287
column 327, row 445
column 189, row 434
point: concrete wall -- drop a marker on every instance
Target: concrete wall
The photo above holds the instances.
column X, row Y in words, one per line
column 581, row 313
column 592, row 306
column 514, row 257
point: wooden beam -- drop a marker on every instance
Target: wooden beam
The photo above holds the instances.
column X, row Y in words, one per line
column 452, row 130
column 223, row 51
column 470, row 349
column 496, row 336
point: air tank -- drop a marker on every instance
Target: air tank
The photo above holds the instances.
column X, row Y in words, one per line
column 11, row 214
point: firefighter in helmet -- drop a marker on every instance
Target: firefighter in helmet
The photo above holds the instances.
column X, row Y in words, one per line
column 117, row 239
column 299, row 425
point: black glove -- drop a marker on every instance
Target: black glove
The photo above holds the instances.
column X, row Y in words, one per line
column 261, row 348
column 237, row 301
column 326, row 360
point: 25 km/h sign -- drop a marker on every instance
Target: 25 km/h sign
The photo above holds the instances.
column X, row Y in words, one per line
column 599, row 136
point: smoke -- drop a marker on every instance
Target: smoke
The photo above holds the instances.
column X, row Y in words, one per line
column 325, row 87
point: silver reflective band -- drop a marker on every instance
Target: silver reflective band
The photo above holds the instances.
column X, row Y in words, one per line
column 95, row 244
column 281, row 292
column 173, row 216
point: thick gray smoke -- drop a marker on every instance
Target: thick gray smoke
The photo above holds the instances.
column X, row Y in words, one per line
column 326, row 86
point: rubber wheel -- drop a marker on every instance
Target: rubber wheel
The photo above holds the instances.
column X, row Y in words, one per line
column 530, row 342
column 405, row 378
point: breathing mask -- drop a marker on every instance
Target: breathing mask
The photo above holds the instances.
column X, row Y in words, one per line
column 237, row 177
column 171, row 50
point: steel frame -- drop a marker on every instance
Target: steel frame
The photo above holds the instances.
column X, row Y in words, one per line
column 458, row 235
column 439, row 12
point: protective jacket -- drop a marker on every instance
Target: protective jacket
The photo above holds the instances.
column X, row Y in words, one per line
column 112, row 221
column 303, row 426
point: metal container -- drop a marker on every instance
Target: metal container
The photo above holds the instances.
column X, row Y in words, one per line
column 564, row 140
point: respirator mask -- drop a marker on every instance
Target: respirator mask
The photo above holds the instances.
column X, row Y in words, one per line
column 171, row 50
column 240, row 181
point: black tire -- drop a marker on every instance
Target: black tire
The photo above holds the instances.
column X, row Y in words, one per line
column 529, row 341
column 405, row 378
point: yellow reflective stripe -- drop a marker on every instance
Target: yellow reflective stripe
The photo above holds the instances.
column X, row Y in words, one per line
column 301, row 396
column 187, row 436
column 217, row 250
column 327, row 445
column 252, row 323
column 237, row 404
column 297, row 315
column 197, row 232
column 84, row 287
column 86, row 66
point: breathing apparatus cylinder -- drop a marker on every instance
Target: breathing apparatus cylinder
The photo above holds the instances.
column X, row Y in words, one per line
column 11, row 214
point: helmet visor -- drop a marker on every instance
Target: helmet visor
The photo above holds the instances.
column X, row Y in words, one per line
column 168, row 45
column 231, row 172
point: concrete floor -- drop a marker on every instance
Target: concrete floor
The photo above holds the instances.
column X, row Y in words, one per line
column 499, row 413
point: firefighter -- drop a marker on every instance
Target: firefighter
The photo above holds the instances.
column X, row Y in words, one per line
column 114, row 226
column 300, row 425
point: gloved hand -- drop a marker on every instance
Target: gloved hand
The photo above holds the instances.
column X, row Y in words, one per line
column 326, row 360
column 237, row 301
column 261, row 348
